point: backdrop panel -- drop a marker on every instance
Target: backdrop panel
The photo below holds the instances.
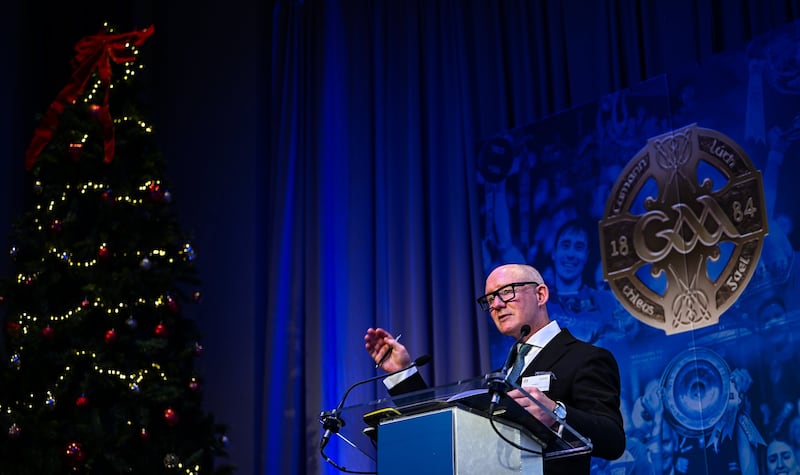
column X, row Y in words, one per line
column 682, row 190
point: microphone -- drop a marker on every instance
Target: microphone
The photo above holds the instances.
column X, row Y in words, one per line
column 497, row 381
column 331, row 421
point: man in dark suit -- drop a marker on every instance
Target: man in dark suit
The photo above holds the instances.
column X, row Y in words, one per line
column 585, row 381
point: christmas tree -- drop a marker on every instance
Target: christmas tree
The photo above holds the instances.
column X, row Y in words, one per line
column 102, row 359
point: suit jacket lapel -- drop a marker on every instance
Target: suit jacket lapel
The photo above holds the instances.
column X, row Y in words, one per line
column 551, row 353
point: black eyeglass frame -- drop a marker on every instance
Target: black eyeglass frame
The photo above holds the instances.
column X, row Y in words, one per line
column 485, row 301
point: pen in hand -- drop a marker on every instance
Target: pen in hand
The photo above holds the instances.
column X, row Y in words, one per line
column 388, row 353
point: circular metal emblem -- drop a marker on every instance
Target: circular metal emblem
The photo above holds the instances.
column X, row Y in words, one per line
column 683, row 229
column 694, row 391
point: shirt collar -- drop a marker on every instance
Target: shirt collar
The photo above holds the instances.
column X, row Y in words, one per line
column 544, row 335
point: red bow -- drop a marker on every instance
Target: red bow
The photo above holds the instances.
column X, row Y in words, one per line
column 94, row 52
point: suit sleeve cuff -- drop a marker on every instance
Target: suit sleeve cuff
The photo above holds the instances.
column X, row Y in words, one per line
column 395, row 379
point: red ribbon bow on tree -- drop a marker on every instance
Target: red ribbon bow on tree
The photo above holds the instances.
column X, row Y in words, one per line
column 94, row 52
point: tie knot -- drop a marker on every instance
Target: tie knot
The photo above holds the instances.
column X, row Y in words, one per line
column 524, row 349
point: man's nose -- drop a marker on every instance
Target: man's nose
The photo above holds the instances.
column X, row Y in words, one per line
column 493, row 299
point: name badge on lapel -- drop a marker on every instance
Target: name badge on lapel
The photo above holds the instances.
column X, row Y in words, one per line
column 540, row 380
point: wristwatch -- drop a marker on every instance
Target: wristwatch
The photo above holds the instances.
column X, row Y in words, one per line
column 560, row 411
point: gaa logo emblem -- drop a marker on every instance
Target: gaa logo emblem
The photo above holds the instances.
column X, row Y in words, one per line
column 683, row 229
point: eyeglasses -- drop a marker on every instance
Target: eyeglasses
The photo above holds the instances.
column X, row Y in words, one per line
column 505, row 293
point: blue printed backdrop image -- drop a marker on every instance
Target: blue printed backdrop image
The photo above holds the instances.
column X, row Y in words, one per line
column 717, row 391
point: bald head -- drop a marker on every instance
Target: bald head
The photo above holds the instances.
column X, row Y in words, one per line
column 523, row 272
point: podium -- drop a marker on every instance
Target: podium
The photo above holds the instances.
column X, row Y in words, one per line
column 446, row 430
column 456, row 441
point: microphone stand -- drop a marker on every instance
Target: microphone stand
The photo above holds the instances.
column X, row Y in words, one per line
column 332, row 421
column 496, row 381
column 498, row 385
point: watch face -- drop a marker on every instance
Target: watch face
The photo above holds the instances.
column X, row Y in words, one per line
column 560, row 411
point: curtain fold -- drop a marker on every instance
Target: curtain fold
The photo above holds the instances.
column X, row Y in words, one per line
column 377, row 112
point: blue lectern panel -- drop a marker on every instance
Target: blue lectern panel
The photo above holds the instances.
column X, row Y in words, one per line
column 418, row 446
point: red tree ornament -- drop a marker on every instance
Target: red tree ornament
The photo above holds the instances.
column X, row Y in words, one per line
column 82, row 401
column 170, row 416
column 111, row 336
column 48, row 333
column 161, row 330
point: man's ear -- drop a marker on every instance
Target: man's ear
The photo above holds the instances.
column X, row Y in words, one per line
column 542, row 294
